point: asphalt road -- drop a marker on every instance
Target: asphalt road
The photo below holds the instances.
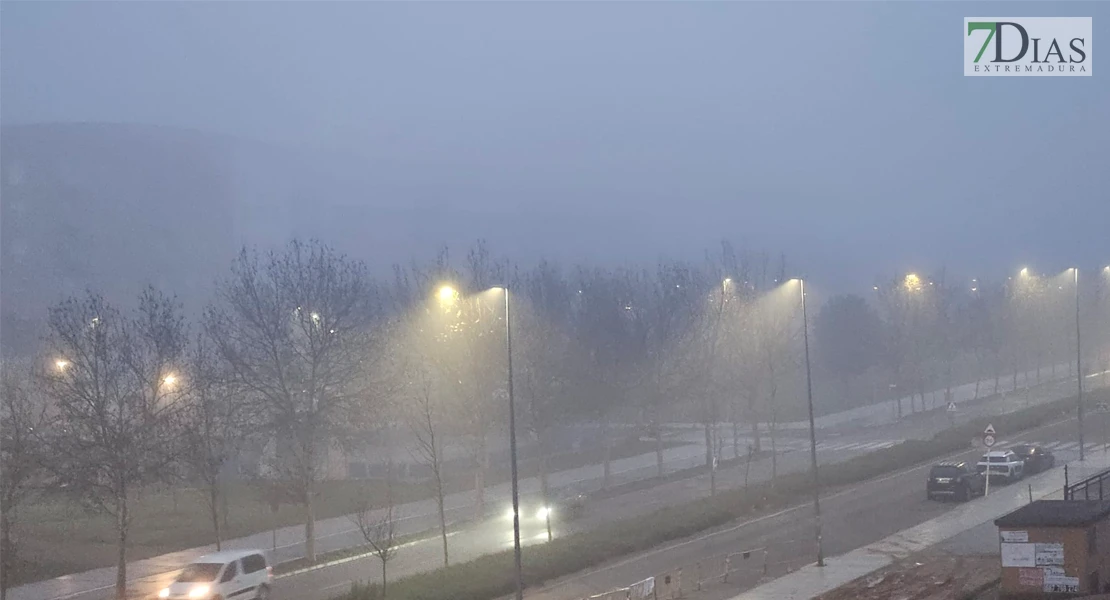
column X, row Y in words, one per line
column 494, row 533
column 852, row 518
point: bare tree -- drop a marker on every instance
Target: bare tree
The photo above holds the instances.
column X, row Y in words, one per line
column 481, row 357
column 379, row 532
column 116, row 392
column 544, row 346
column 302, row 331
column 22, row 417
column 664, row 316
column 425, row 420
column 216, row 426
column 603, row 318
column 423, row 405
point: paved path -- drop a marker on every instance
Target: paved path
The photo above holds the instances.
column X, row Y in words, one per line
column 812, row 581
column 338, row 532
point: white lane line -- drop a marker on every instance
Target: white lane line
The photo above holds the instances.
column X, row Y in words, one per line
column 701, row 538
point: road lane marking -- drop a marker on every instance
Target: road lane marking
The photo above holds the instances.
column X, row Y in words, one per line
column 706, row 536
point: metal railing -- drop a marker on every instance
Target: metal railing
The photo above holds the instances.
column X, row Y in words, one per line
column 1095, row 487
column 669, row 585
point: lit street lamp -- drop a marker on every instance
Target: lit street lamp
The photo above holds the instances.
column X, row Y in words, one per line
column 447, row 295
column 812, row 429
column 512, row 450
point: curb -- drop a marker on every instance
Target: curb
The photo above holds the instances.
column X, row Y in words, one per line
column 368, row 554
column 974, row 592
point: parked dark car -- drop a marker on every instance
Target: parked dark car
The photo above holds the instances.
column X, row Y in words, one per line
column 1036, row 458
column 956, row 480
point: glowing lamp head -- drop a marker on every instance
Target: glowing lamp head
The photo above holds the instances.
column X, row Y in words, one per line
column 446, row 293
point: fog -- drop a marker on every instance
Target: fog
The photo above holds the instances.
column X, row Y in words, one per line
column 290, row 255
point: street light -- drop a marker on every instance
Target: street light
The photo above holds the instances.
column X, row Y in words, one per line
column 812, row 428
column 1078, row 365
column 512, row 448
column 446, row 294
column 61, row 364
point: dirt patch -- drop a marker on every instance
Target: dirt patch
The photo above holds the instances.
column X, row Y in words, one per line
column 928, row 576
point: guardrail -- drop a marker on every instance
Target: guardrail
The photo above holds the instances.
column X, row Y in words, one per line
column 1095, row 487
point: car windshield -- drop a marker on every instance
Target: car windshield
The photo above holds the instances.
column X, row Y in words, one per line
column 1000, row 459
column 1025, row 450
column 199, row 572
column 946, row 471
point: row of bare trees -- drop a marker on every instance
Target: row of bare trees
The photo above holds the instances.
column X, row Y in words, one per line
column 304, row 353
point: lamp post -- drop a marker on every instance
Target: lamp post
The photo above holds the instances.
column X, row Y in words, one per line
column 812, row 430
column 447, row 294
column 1078, row 366
column 512, row 448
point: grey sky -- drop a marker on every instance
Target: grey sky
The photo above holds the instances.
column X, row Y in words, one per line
column 842, row 133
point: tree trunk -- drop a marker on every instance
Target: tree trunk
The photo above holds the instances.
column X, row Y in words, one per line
column 214, row 508
column 607, row 451
column 7, row 558
column 384, row 581
column 225, row 509
column 310, row 522
column 735, row 439
column 121, row 548
column 658, row 448
column 442, row 515
column 774, row 445
column 708, row 445
column 480, row 480
column 755, row 435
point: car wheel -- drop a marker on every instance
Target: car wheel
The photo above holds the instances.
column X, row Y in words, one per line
column 263, row 592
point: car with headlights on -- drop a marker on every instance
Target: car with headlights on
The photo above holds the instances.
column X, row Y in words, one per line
column 1036, row 458
column 531, row 511
column 228, row 575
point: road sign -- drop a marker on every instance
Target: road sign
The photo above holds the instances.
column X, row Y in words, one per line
column 989, row 430
column 951, row 407
column 988, row 440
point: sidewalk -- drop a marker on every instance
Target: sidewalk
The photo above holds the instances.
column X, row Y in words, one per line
column 413, row 517
column 812, row 581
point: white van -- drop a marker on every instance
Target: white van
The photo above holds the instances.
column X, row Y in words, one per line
column 230, row 575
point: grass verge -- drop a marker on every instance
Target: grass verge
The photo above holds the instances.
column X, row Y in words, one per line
column 54, row 536
column 492, row 576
